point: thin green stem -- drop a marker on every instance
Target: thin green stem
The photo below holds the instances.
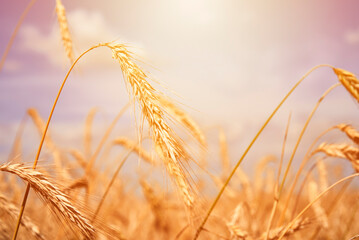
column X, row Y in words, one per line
column 199, row 229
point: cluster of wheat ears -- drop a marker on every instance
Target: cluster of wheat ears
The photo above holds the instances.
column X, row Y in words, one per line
column 84, row 202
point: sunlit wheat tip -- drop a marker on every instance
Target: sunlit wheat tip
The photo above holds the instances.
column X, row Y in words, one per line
column 349, row 81
column 350, row 131
column 64, row 30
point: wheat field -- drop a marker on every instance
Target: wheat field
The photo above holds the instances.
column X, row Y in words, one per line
column 83, row 193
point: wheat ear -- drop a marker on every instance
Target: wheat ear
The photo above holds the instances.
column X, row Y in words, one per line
column 349, row 81
column 351, row 132
column 64, row 30
column 341, row 151
column 13, row 211
column 131, row 145
column 53, row 196
column 167, row 143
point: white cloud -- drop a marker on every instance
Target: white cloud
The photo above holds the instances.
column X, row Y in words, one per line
column 86, row 28
column 12, row 65
column 352, row 36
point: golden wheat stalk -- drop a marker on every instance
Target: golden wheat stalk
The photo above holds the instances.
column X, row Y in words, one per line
column 12, row 211
column 340, row 151
column 349, row 81
column 53, row 196
column 16, row 30
column 168, row 145
column 64, row 30
column 351, row 132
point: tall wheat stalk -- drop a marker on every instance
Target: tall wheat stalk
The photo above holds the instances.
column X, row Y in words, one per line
column 168, row 145
column 199, row 229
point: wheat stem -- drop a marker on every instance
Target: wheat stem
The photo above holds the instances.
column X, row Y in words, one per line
column 276, row 196
column 314, row 201
column 199, row 229
column 12, row 38
column 23, row 204
column 110, row 184
column 297, row 144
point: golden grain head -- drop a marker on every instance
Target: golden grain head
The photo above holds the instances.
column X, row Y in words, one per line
column 56, row 199
column 345, row 151
column 64, row 30
column 349, row 81
column 168, row 145
column 350, row 131
column 133, row 146
column 11, row 210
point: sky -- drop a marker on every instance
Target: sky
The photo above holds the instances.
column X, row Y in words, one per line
column 227, row 63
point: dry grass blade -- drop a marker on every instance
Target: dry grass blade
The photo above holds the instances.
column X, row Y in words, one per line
column 340, row 151
column 349, row 81
column 351, row 132
column 53, row 196
column 142, row 153
column 64, row 30
column 168, row 145
column 11, row 210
